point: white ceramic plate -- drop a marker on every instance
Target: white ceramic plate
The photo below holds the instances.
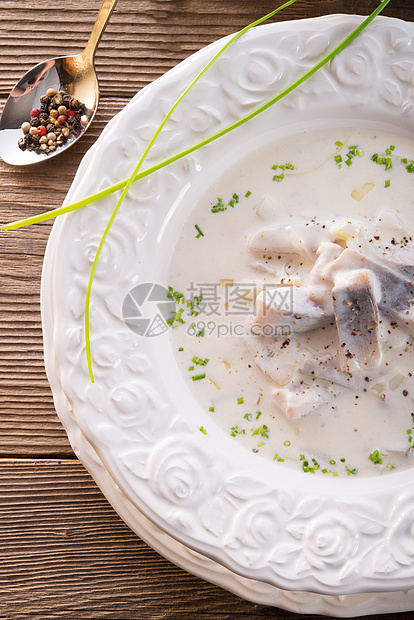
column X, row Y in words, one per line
column 259, row 519
column 343, row 606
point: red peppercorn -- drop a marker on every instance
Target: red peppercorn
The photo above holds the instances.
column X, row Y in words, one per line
column 41, row 130
column 71, row 112
column 34, row 113
column 62, row 119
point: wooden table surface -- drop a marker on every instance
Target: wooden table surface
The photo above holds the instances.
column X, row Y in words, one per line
column 64, row 552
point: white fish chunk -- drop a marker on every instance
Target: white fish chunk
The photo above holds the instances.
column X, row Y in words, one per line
column 295, row 307
column 329, row 369
column 301, row 239
column 356, row 316
column 297, row 400
column 396, row 297
column 327, row 253
column 279, row 358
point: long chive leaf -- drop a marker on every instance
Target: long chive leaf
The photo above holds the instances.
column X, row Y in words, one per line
column 214, row 136
column 138, row 167
column 139, row 175
column 84, row 202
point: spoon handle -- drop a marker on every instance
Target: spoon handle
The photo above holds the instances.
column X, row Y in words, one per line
column 104, row 14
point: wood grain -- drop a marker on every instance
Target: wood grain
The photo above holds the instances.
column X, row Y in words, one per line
column 64, row 553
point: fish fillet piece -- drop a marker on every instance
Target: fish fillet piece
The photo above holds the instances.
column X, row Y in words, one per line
column 297, row 400
column 328, row 368
column 300, row 239
column 296, row 307
column 327, row 253
column 279, row 358
column 356, row 316
column 396, row 297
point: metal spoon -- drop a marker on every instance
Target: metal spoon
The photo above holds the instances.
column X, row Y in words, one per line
column 74, row 74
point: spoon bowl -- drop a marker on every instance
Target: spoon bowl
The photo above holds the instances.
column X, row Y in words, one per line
column 75, row 75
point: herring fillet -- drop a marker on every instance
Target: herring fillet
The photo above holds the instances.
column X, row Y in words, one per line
column 356, row 316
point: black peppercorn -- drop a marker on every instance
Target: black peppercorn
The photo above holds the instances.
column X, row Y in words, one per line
column 44, row 120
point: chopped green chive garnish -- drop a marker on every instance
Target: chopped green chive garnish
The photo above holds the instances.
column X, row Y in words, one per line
column 375, row 457
column 258, row 414
column 248, row 194
column 181, row 349
column 382, row 161
column 353, row 151
column 248, row 416
column 262, row 430
column 211, row 409
column 387, row 183
column 240, row 401
column 191, row 368
column 236, row 430
column 199, row 231
column 280, row 177
column 283, row 167
column 259, row 445
column 175, row 319
column 351, row 472
column 222, row 206
column 199, row 361
column 203, row 430
column 339, row 143
column 287, row 443
column 179, row 297
column 198, row 377
column 193, row 304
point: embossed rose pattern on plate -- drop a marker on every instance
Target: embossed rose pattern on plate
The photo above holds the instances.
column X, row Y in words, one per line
column 260, row 520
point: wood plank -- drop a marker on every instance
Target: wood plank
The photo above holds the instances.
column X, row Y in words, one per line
column 64, row 553
column 143, row 39
column 28, row 421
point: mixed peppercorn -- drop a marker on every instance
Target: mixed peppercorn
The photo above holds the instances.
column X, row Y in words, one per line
column 53, row 124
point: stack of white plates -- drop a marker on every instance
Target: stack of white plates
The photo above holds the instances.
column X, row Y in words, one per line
column 263, row 531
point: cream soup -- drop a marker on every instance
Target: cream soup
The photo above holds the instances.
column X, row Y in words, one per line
column 296, row 335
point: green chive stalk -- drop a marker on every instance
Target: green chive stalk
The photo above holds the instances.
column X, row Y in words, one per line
column 138, row 174
column 138, row 167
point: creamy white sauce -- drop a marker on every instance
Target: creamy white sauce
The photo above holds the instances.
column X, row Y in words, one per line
column 219, row 265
